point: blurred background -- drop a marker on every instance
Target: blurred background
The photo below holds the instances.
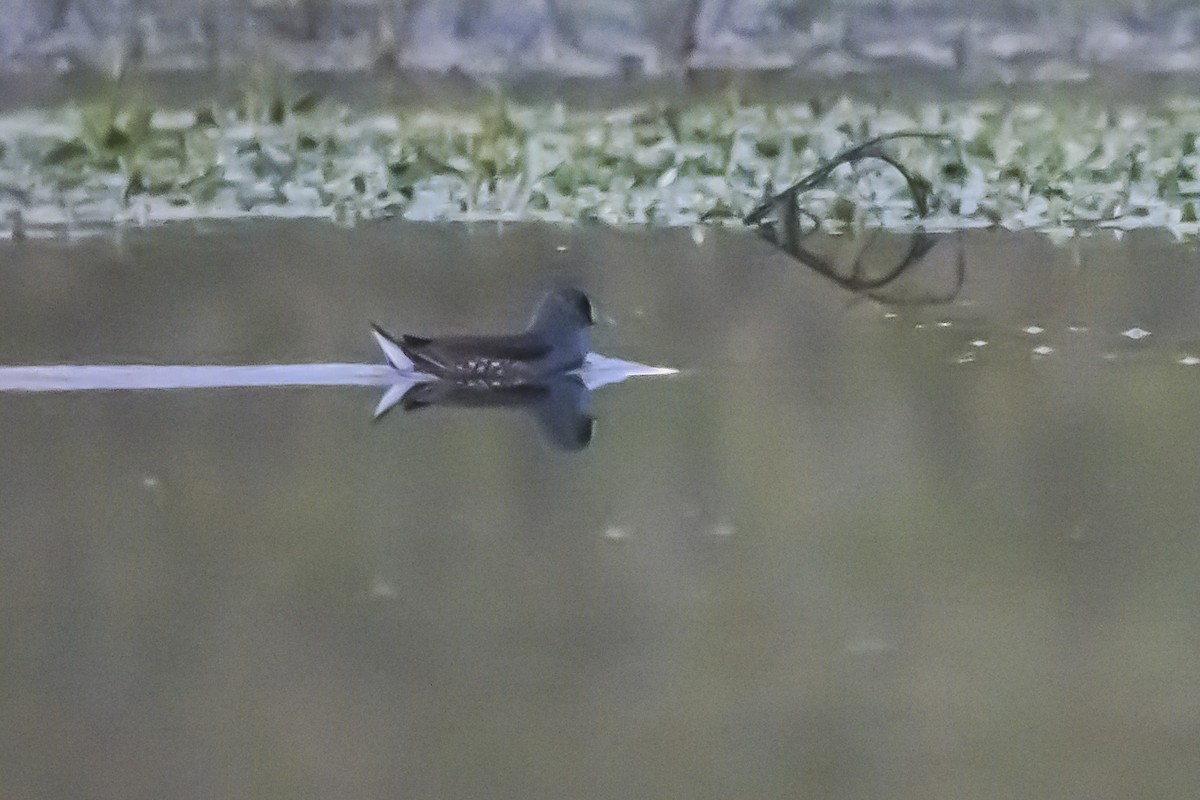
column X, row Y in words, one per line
column 1002, row 39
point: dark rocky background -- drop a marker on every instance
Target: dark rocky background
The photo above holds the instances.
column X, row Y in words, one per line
column 1007, row 41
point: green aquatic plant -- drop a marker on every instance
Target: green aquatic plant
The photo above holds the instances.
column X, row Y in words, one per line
column 117, row 135
column 268, row 96
column 108, row 133
column 1066, row 167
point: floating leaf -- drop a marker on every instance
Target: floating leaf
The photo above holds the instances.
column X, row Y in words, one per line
column 306, row 103
column 135, row 185
column 64, row 152
column 768, row 148
column 115, row 139
column 954, row 171
column 843, row 209
column 138, row 128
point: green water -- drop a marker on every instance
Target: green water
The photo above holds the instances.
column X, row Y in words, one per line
column 850, row 552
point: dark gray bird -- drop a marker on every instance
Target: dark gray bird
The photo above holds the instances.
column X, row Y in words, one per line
column 555, row 342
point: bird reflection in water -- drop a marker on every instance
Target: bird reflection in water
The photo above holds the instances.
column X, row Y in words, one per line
column 559, row 405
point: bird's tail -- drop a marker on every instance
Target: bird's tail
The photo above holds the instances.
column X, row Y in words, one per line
column 392, row 351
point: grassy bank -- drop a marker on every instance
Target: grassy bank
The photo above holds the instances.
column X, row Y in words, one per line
column 1060, row 168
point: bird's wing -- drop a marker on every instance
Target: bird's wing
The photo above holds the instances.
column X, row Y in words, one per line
column 451, row 353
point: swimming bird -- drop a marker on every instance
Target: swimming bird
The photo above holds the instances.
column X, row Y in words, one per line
column 555, row 342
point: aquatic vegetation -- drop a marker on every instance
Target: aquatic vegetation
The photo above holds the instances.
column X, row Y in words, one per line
column 1060, row 168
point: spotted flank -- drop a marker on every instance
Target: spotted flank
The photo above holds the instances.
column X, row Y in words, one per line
column 555, row 342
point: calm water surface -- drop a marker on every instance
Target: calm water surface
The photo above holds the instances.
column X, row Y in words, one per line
column 856, row 549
